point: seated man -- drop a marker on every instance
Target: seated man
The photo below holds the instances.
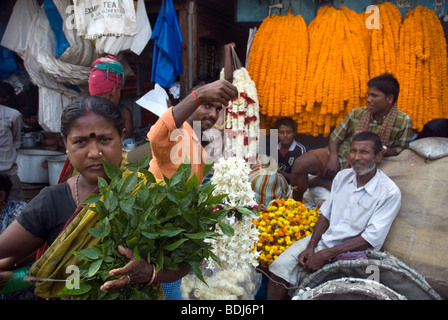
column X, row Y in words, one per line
column 173, row 138
column 381, row 116
column 288, row 148
column 362, row 206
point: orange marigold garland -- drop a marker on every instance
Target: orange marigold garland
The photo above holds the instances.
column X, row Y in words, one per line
column 277, row 64
column 422, row 67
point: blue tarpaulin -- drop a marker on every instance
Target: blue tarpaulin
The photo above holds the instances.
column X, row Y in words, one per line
column 167, row 58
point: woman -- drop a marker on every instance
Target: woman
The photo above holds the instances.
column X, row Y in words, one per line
column 92, row 129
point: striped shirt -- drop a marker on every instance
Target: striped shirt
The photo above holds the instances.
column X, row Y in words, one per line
column 399, row 140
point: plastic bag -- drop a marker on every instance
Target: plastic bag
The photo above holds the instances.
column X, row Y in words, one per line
column 97, row 18
column 238, row 284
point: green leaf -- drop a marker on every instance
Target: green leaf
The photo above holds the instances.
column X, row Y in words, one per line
column 81, row 256
column 174, row 245
column 111, row 170
column 197, row 271
column 207, row 168
column 102, row 230
column 202, row 198
column 150, row 235
column 193, row 182
column 131, row 243
column 144, row 163
column 227, row 230
column 149, row 176
column 84, row 287
column 244, row 210
column 191, row 217
column 136, row 253
column 130, row 182
column 93, row 198
column 126, row 205
column 131, row 166
column 94, row 267
column 92, row 253
column 157, row 198
column 102, row 183
column 201, row 235
column 170, row 232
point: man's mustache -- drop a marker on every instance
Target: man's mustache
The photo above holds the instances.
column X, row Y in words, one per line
column 210, row 119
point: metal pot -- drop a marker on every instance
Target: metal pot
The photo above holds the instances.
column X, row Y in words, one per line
column 33, row 165
column 31, row 139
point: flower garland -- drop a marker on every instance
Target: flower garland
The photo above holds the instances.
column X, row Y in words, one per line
column 242, row 121
column 231, row 177
column 422, row 67
column 281, row 224
column 277, row 66
column 235, row 277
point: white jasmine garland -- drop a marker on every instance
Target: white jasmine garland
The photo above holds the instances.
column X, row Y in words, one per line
column 242, row 119
column 236, row 278
column 231, row 176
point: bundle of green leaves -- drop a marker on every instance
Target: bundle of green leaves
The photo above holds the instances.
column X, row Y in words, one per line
column 166, row 223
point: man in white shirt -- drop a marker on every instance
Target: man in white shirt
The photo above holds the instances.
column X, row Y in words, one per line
column 362, row 206
column 10, row 140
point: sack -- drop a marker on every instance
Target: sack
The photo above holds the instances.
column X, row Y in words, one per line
column 431, row 148
column 114, row 45
column 80, row 52
column 97, row 18
column 267, row 185
column 418, row 235
column 44, row 69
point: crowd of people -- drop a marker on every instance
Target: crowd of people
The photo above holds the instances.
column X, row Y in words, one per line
column 358, row 214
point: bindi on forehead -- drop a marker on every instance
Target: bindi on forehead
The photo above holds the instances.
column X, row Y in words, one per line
column 92, row 135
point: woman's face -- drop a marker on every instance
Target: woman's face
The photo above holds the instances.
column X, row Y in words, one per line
column 90, row 135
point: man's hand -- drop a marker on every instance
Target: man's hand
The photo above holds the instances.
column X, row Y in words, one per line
column 221, row 91
column 333, row 167
column 315, row 261
column 304, row 256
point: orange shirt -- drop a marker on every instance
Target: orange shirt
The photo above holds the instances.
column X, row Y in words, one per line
column 172, row 146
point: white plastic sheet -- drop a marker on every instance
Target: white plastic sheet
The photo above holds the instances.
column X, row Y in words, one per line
column 15, row 37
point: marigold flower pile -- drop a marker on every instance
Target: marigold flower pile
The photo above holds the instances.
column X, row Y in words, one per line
column 281, row 224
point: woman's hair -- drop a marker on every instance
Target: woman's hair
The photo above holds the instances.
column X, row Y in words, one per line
column 5, row 184
column 87, row 104
column 370, row 136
